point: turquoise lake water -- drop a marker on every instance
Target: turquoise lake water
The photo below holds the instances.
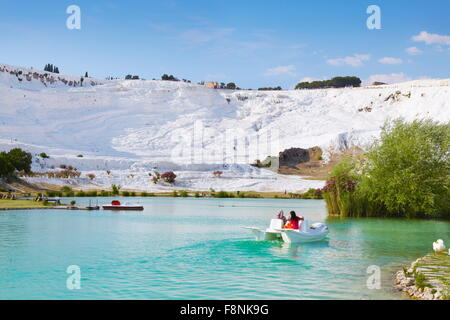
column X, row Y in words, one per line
column 196, row 249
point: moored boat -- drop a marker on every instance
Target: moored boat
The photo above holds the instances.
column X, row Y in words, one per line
column 117, row 205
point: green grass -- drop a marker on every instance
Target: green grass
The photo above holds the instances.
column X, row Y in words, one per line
column 18, row 204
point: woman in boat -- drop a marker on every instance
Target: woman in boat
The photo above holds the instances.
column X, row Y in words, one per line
column 293, row 222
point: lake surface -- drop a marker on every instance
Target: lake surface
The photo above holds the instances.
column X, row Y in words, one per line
column 196, row 249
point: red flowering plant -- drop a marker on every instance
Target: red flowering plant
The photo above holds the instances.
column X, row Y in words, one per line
column 217, row 173
column 343, row 182
column 169, row 177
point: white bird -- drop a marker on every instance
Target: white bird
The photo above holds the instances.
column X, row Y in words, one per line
column 438, row 246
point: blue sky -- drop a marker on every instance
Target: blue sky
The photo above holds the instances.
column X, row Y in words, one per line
column 253, row 43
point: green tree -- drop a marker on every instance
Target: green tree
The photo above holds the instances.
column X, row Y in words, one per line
column 231, row 85
column 21, row 160
column 6, row 168
column 408, row 170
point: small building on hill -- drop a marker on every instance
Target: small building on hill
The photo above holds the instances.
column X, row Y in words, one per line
column 212, row 84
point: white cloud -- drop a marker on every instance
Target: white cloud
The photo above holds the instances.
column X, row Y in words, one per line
column 387, row 78
column 413, row 51
column 200, row 36
column 355, row 61
column 280, row 70
column 432, row 38
column 389, row 60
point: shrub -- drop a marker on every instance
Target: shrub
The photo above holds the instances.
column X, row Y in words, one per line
column 174, row 193
column 104, row 193
column 43, row 155
column 408, row 170
column 218, row 174
column 50, row 194
column 62, row 166
column 404, row 174
column 19, row 159
column 337, row 82
column 197, row 194
column 66, row 189
column 80, row 156
column 169, row 177
column 91, row 176
column 73, row 202
column 91, row 193
column 115, row 190
column 125, row 194
column 183, row 194
column 6, row 168
column 81, row 193
column 224, row 194
column 69, row 194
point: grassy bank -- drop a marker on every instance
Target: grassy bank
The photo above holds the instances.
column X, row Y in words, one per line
column 310, row 194
column 427, row 278
column 23, row 204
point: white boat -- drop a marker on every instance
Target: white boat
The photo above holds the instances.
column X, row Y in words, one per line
column 271, row 233
column 306, row 233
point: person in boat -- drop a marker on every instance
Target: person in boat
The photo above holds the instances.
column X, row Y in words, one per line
column 282, row 217
column 294, row 221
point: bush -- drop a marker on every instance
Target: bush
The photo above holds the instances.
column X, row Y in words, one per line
column 231, row 86
column 337, row 82
column 404, row 174
column 217, row 174
column 125, row 194
column 66, row 189
column 73, row 202
column 408, row 171
column 21, row 160
column 169, row 177
column 15, row 159
column 183, row 194
column 43, row 155
column 224, row 194
column 91, row 176
column 104, row 193
column 197, row 194
column 6, row 168
column 81, row 194
column 69, row 194
column 174, row 193
column 115, row 190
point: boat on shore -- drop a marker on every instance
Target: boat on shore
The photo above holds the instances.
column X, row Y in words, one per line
column 117, row 205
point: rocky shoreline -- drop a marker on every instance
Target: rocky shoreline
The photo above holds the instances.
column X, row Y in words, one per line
column 427, row 278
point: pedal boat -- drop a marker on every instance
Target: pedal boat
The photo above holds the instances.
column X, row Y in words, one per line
column 306, row 233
